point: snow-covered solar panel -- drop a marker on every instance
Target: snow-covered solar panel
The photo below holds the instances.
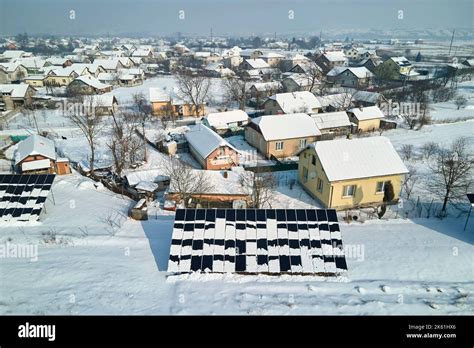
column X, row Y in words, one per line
column 22, row 197
column 268, row 241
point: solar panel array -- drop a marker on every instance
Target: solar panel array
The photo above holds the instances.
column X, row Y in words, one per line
column 22, row 197
column 301, row 241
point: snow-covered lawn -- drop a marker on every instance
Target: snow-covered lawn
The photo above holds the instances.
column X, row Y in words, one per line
column 447, row 111
column 424, row 266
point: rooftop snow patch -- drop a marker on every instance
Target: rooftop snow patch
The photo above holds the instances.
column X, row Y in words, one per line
column 295, row 102
column 35, row 145
column 204, row 140
column 287, row 126
column 367, row 113
column 222, row 119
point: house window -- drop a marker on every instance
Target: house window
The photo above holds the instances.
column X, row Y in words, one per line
column 222, row 151
column 313, row 160
column 349, row 191
column 302, row 143
column 380, row 187
column 305, row 174
column 279, row 145
column 320, row 185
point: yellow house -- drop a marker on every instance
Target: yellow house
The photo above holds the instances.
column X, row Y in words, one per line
column 35, row 80
column 163, row 105
column 281, row 136
column 350, row 173
column 366, row 119
column 400, row 64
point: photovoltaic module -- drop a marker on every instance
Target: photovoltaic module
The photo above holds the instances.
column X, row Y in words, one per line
column 301, row 241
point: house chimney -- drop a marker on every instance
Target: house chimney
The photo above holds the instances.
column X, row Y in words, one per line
column 225, row 174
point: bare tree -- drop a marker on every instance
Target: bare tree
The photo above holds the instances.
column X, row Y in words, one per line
column 84, row 116
column 313, row 75
column 236, row 90
column 345, row 99
column 460, row 102
column 143, row 115
column 407, row 151
column 193, row 89
column 429, row 149
column 452, row 173
column 411, row 120
column 410, row 181
column 259, row 186
column 186, row 182
column 123, row 142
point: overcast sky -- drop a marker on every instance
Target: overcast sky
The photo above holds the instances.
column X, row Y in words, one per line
column 227, row 16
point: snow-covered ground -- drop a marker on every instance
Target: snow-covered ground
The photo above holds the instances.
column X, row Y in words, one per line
column 447, row 111
column 423, row 266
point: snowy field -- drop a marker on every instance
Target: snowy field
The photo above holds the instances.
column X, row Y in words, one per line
column 85, row 265
column 447, row 111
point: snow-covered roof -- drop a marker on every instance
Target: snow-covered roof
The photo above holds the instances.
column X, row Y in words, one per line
column 335, row 56
column 257, row 63
column 147, row 186
column 345, row 159
column 301, row 80
column 360, row 72
column 366, row 96
column 107, row 64
column 92, row 81
column 10, row 54
column 331, row 120
column 103, row 100
column 204, row 140
column 15, row 90
column 287, row 126
column 222, row 119
column 401, row 61
column 152, row 176
column 367, row 113
column 295, row 102
column 267, row 86
column 35, row 145
column 158, row 95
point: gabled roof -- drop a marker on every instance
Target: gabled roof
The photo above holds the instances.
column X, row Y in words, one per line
column 204, row 140
column 367, row 113
column 401, row 61
column 335, row 56
column 295, row 102
column 360, row 72
column 92, row 82
column 15, row 90
column 345, row 159
column 288, row 126
column 35, row 145
column 266, row 86
column 158, row 95
column 301, row 80
column 222, row 119
column 331, row 120
column 257, row 63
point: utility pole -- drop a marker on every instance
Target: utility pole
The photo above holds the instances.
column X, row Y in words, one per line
column 451, row 44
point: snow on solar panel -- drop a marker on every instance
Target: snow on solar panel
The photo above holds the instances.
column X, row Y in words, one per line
column 269, row 241
column 22, row 197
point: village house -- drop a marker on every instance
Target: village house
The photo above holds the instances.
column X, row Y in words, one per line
column 299, row 82
column 37, row 155
column 336, row 123
column 370, row 63
column 350, row 173
column 221, row 122
column 401, row 65
column 59, row 61
column 164, row 105
column 35, row 80
column 273, row 59
column 13, row 96
column 89, row 85
column 110, row 65
column 355, row 77
column 227, row 189
column 61, row 77
column 262, row 90
column 281, row 136
column 102, row 105
column 291, row 103
column 210, row 149
column 366, row 119
column 9, row 55
column 329, row 60
column 218, row 70
column 12, row 72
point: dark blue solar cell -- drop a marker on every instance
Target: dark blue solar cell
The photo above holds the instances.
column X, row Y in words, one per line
column 272, row 242
column 281, row 225
column 321, row 213
column 326, row 241
column 271, row 214
column 199, row 226
column 290, row 215
column 185, row 257
column 262, row 244
column 11, row 189
column 337, row 243
column 189, row 227
column 180, row 214
column 301, row 214
column 17, row 212
column 229, row 258
column 323, row 227
column 24, row 179
column 262, row 226
column 311, row 215
column 218, row 257
column 40, row 200
column 230, row 216
column 200, row 214
column 240, row 227
column 218, row 241
column 229, row 244
column 15, row 179
column 196, row 262
column 198, row 244
column 187, row 242
column 49, row 179
column 207, row 262
column 341, row 262
column 190, row 215
column 294, row 244
column 334, row 228
column 176, row 242
column 285, row 265
column 174, row 258
column 40, row 180
column 220, row 213
column 209, row 241
column 251, row 215
column 14, row 199
column 261, row 216
column 292, row 228
column 26, row 211
column 3, row 187
column 240, row 214
column 262, row 259
column 7, row 179
column 240, row 263
column 32, row 179
column 240, row 245
column 210, row 215
column 209, row 226
column 2, row 178
column 178, row 226
column 295, row 260
column 315, row 244
column 332, row 215
column 304, row 242
column 327, row 258
column 282, row 242
column 281, row 216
